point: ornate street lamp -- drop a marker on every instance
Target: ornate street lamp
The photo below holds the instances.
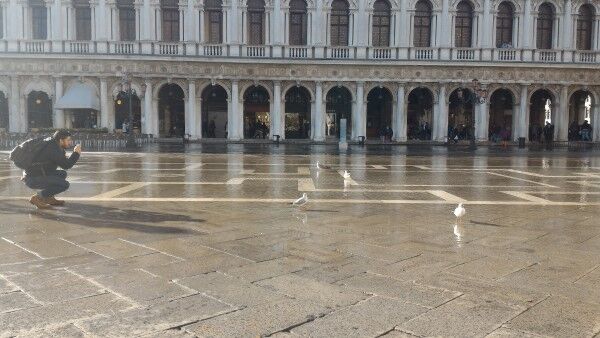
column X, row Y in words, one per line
column 127, row 88
column 476, row 95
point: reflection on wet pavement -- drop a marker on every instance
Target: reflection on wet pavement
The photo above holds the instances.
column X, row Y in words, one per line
column 198, row 244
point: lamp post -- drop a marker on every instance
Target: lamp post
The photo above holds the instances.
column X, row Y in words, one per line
column 476, row 95
column 129, row 92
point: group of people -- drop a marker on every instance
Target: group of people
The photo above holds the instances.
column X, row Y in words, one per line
column 386, row 134
column 581, row 132
column 500, row 134
column 421, row 131
column 459, row 132
column 258, row 129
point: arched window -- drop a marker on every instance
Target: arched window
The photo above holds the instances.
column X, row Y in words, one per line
column 39, row 20
column 504, row 25
column 214, row 21
column 464, row 25
column 170, row 20
column 545, row 26
column 256, row 18
column 340, row 20
column 83, row 20
column 585, row 24
column 127, row 30
column 298, row 27
column 422, row 24
column 381, row 23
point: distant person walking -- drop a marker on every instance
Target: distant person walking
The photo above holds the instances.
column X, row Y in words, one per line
column 39, row 159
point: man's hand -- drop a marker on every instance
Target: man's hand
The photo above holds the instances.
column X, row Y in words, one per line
column 77, row 149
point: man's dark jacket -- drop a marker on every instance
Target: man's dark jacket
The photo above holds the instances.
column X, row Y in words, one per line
column 49, row 159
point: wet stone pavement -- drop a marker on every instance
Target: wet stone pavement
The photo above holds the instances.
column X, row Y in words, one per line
column 208, row 245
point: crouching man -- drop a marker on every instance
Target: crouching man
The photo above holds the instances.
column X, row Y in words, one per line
column 44, row 175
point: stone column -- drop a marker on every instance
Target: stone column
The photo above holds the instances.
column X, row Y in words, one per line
column 59, row 115
column 149, row 114
column 444, row 30
column 561, row 117
column 277, row 122
column 482, row 121
column 16, row 113
column 595, row 117
column 527, row 32
column 440, row 117
column 522, row 128
column 400, row 127
column 319, row 121
column 567, row 26
column 192, row 112
column 104, row 105
column 234, row 118
column 359, row 114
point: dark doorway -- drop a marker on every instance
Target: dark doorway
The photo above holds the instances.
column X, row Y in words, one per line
column 39, row 110
column 297, row 113
column 257, row 120
column 419, row 114
column 214, row 112
column 171, row 111
column 339, row 106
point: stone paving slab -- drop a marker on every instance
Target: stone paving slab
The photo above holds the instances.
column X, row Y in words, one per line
column 268, row 269
column 17, row 300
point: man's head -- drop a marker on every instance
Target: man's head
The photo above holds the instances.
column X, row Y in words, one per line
column 63, row 137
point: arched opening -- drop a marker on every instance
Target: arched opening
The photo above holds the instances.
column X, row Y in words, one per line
column 171, row 111
column 297, row 113
column 419, row 115
column 379, row 113
column 422, row 24
column 540, row 113
column 339, row 23
column 257, row 120
column 4, row 116
column 39, row 19
column 461, row 120
column 504, row 25
column 382, row 13
column 298, row 23
column 127, row 31
column 580, row 108
column 213, row 11
column 545, row 27
column 256, row 26
column 83, row 20
column 214, row 112
column 39, row 110
column 169, row 10
column 82, row 118
column 122, row 119
column 585, row 27
column 463, row 26
column 339, row 106
column 501, row 116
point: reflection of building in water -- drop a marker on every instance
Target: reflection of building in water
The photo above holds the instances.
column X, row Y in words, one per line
column 314, row 63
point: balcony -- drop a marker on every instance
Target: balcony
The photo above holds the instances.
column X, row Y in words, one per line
column 195, row 49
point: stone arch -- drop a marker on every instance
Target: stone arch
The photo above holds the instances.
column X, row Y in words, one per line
column 227, row 86
column 38, row 85
column 5, row 89
column 329, row 87
column 516, row 95
column 309, row 4
column 554, row 93
column 158, row 86
column 386, row 86
column 454, row 87
column 558, row 9
column 516, row 6
column 115, row 89
column 265, row 85
column 352, row 4
column 435, row 5
column 578, row 4
column 477, row 6
column 310, row 90
column 86, row 81
column 575, row 89
column 435, row 93
column 395, row 4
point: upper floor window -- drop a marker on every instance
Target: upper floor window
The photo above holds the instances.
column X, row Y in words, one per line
column 585, row 24
column 83, row 20
column 381, row 23
column 504, row 25
column 464, row 25
column 545, row 26
column 213, row 10
column 340, row 20
column 256, row 19
column 39, row 20
column 298, row 24
column 169, row 10
column 127, row 29
column 422, row 24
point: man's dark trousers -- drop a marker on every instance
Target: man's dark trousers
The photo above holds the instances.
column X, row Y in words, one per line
column 50, row 185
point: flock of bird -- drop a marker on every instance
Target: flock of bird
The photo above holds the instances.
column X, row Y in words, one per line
column 301, row 202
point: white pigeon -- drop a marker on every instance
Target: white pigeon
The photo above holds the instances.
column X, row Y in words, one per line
column 460, row 212
column 322, row 166
column 302, row 201
column 346, row 175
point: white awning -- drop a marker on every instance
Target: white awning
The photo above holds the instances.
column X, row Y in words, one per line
column 79, row 96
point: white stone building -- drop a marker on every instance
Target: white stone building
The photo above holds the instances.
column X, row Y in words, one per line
column 295, row 68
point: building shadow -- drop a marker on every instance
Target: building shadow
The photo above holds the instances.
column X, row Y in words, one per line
column 98, row 216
